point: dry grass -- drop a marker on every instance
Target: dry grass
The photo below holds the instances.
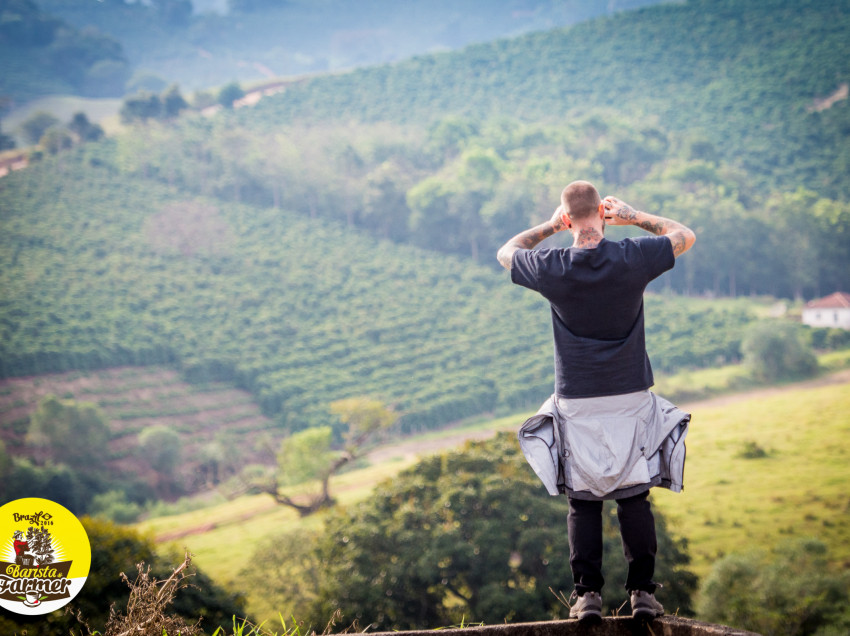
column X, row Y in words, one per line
column 147, row 607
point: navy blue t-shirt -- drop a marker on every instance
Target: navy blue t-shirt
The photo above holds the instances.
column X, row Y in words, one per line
column 596, row 297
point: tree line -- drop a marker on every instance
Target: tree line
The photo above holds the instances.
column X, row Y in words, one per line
column 463, row 186
column 61, row 452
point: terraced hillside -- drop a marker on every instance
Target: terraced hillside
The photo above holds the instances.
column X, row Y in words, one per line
column 135, row 398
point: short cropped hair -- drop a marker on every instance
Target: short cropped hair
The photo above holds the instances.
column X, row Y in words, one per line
column 580, row 200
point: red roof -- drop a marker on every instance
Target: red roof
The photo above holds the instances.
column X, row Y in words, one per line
column 838, row 300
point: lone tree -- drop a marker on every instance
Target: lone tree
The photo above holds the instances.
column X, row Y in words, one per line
column 141, row 107
column 161, row 448
column 229, row 93
column 308, row 456
column 84, row 129
column 173, row 102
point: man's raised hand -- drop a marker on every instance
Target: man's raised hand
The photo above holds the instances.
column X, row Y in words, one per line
column 560, row 221
column 618, row 212
column 621, row 213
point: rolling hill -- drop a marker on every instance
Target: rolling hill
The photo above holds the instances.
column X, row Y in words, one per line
column 292, row 250
column 752, row 77
column 257, row 38
column 101, row 271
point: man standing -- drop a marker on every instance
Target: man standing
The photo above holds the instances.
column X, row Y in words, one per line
column 602, row 401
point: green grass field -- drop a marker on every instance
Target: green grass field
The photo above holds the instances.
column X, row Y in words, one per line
column 730, row 502
column 733, row 501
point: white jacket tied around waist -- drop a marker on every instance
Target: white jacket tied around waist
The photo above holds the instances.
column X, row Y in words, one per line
column 606, row 447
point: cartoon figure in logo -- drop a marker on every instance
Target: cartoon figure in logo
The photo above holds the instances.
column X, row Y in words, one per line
column 21, row 548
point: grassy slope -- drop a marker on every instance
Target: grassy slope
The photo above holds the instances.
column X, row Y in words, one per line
column 732, row 503
column 729, row 503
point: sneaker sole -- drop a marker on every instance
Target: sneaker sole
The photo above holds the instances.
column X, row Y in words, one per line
column 590, row 617
column 646, row 614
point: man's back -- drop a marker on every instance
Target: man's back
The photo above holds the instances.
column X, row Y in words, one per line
column 596, row 297
column 596, row 293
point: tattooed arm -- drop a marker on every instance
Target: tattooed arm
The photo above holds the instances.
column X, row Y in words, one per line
column 531, row 237
column 620, row 213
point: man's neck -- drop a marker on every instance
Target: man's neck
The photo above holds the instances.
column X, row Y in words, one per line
column 587, row 237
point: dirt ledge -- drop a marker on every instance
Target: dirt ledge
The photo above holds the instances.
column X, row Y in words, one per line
column 620, row 626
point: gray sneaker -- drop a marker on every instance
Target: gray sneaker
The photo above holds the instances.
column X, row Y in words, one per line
column 644, row 605
column 587, row 608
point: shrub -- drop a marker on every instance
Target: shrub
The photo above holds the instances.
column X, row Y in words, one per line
column 161, row 447
column 774, row 350
column 790, row 591
column 751, row 450
column 829, row 338
column 113, row 505
column 56, row 139
column 36, row 125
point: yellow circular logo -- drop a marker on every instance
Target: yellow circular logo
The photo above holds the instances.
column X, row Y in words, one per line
column 45, row 556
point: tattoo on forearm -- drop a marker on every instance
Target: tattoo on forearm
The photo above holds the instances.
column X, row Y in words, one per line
column 534, row 236
column 661, row 226
column 654, row 226
column 524, row 240
column 678, row 244
column 627, row 213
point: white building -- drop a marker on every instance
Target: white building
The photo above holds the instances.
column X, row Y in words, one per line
column 831, row 311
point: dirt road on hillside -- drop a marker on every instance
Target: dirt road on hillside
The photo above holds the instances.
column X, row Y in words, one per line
column 839, row 377
column 415, row 448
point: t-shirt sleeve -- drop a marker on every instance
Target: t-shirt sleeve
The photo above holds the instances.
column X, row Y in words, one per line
column 657, row 255
column 526, row 268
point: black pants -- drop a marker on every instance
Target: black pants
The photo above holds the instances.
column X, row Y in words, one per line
column 637, row 529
